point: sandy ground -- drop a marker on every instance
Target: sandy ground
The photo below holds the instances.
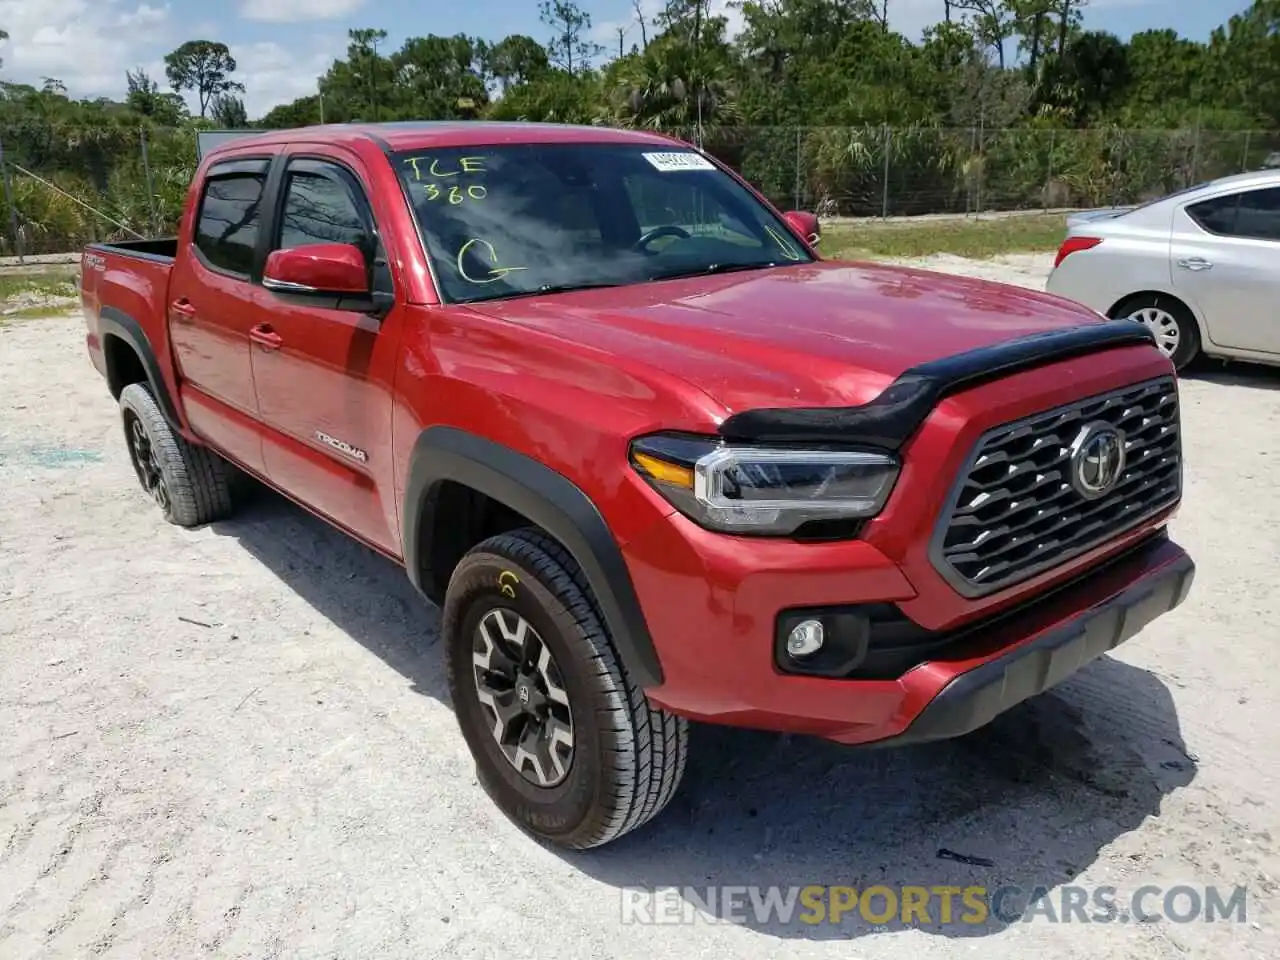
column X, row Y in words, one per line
column 236, row 742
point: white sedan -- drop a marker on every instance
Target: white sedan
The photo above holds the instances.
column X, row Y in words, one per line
column 1200, row 267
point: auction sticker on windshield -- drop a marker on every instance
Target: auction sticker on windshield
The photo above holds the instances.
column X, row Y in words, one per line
column 675, row 162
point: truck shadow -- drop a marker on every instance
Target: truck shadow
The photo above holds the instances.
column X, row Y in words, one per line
column 1027, row 802
column 364, row 594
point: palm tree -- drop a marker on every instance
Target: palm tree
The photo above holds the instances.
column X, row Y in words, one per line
column 671, row 87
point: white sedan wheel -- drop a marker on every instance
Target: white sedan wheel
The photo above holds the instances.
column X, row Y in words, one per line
column 1163, row 325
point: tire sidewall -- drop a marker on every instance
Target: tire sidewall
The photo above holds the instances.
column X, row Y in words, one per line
column 555, row 812
column 138, row 403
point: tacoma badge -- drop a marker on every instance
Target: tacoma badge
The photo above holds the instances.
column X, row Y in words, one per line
column 341, row 445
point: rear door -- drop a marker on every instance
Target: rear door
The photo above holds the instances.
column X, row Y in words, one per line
column 1225, row 258
column 211, row 308
column 324, row 378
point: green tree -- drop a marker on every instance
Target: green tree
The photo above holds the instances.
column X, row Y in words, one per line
column 1243, row 63
column 555, row 96
column 1033, row 25
column 1166, row 75
column 569, row 48
column 514, row 60
column 300, row 113
column 993, row 22
column 228, row 113
column 438, row 77
column 202, row 66
column 354, row 88
column 674, row 86
column 144, row 97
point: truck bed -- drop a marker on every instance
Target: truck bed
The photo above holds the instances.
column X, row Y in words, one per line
column 124, row 294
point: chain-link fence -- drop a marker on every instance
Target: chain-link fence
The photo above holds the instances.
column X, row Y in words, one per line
column 64, row 187
column 902, row 172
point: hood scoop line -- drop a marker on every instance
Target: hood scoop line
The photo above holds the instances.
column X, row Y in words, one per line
column 893, row 417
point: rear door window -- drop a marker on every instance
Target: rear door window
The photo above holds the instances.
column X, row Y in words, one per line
column 1250, row 214
column 1217, row 215
column 226, row 234
column 1258, row 216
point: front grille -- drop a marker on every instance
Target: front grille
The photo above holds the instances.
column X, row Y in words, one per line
column 1015, row 511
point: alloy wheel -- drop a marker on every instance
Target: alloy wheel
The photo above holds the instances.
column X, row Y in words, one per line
column 522, row 692
column 143, row 453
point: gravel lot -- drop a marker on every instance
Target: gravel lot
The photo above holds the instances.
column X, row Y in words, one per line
column 236, row 741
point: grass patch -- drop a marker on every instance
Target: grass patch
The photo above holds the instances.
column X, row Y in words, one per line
column 965, row 238
column 36, row 293
column 40, row 284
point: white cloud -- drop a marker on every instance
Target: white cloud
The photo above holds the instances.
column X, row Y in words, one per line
column 297, row 11
column 86, row 45
column 273, row 74
column 605, row 32
column 89, row 44
column 144, row 16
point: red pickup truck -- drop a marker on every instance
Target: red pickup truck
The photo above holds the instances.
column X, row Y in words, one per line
column 655, row 459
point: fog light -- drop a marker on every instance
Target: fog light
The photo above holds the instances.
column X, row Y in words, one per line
column 805, row 638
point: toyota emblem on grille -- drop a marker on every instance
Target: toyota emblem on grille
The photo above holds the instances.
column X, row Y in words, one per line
column 1097, row 459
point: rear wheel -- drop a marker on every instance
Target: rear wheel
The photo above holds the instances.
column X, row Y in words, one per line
column 565, row 743
column 1169, row 319
column 188, row 483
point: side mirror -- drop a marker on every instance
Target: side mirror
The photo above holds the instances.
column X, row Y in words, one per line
column 322, row 270
column 806, row 224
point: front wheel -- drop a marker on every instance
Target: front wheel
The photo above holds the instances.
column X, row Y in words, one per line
column 564, row 741
column 1169, row 319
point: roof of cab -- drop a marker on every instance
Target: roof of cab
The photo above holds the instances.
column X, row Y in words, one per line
column 419, row 134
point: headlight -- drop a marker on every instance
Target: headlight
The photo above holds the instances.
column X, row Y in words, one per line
column 755, row 490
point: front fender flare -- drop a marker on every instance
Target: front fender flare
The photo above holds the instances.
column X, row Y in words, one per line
column 546, row 498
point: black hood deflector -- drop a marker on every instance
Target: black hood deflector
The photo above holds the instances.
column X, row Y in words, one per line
column 893, row 417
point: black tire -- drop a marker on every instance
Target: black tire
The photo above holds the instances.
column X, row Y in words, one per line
column 628, row 757
column 1188, row 331
column 189, row 483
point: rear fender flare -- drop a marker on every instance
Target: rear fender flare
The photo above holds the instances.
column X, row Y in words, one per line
column 117, row 323
column 546, row 498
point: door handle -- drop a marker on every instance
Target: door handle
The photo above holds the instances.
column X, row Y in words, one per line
column 1194, row 263
column 265, row 337
column 183, row 308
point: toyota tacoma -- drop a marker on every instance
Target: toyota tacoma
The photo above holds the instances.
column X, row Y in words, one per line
column 656, row 459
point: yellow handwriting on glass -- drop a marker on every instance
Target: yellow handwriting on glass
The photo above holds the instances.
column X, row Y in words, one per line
column 495, row 272
column 455, row 193
column 788, row 249
column 434, row 169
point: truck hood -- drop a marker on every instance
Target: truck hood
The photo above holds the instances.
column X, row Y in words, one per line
column 820, row 334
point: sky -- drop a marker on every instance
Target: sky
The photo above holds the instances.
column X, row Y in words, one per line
column 282, row 46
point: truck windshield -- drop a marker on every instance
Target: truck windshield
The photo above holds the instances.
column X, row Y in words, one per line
column 513, row 220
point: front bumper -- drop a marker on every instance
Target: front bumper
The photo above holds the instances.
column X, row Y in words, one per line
column 976, row 697
column 712, row 607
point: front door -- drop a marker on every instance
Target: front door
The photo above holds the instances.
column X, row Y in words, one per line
column 1226, row 260
column 323, row 373
column 211, row 308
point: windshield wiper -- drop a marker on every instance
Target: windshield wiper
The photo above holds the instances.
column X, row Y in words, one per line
column 563, row 287
column 551, row 288
column 715, row 268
